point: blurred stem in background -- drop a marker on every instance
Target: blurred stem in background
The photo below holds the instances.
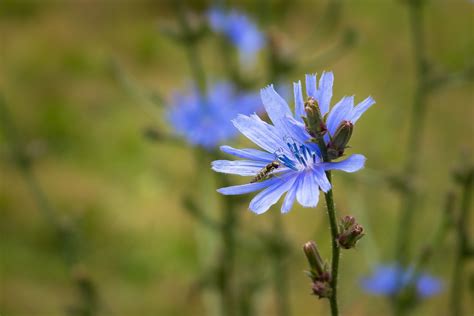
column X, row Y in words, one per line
column 407, row 300
column 65, row 234
column 226, row 258
column 326, row 25
column 464, row 249
column 415, row 136
column 425, row 84
column 190, row 41
column 226, row 272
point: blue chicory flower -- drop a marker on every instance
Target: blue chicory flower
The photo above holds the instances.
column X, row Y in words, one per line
column 239, row 30
column 389, row 280
column 301, row 171
column 205, row 120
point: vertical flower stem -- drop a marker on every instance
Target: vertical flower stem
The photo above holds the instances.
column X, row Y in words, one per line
column 24, row 165
column 463, row 246
column 227, row 260
column 229, row 220
column 65, row 234
column 416, row 131
column 191, row 49
column 335, row 248
column 334, row 233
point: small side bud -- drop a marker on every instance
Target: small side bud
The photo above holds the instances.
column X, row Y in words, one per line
column 315, row 261
column 322, row 289
column 349, row 232
column 339, row 141
column 319, row 271
column 314, row 121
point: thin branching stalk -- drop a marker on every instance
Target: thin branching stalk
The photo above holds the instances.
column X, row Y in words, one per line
column 191, row 49
column 229, row 222
column 65, row 234
column 279, row 267
column 334, row 234
column 424, row 85
column 462, row 246
column 24, row 165
column 228, row 252
column 415, row 135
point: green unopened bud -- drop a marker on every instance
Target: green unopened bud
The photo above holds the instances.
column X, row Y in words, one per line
column 339, row 141
column 314, row 121
column 349, row 232
column 316, row 263
column 319, row 272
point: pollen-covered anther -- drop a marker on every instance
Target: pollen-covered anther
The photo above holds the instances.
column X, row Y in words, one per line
column 301, row 156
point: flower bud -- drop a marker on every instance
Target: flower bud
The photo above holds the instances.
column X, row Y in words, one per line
column 349, row 232
column 314, row 121
column 316, row 263
column 322, row 289
column 319, row 272
column 339, row 141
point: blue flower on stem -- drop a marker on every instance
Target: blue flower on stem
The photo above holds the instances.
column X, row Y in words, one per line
column 390, row 280
column 205, row 120
column 292, row 163
column 239, row 30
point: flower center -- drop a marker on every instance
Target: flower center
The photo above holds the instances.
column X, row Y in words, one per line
column 301, row 157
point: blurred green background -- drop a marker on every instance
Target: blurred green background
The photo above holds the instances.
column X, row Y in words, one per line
column 122, row 193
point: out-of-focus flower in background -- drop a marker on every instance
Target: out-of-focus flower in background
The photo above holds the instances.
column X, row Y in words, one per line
column 205, row 120
column 240, row 31
column 390, row 280
column 291, row 163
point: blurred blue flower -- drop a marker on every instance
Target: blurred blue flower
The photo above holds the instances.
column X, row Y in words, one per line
column 299, row 170
column 205, row 120
column 389, row 280
column 239, row 30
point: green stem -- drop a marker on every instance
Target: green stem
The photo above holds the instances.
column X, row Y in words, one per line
column 334, row 233
column 415, row 134
column 335, row 247
column 227, row 261
column 24, row 165
column 279, row 268
column 230, row 220
column 66, row 236
column 462, row 244
column 416, row 130
column 190, row 42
